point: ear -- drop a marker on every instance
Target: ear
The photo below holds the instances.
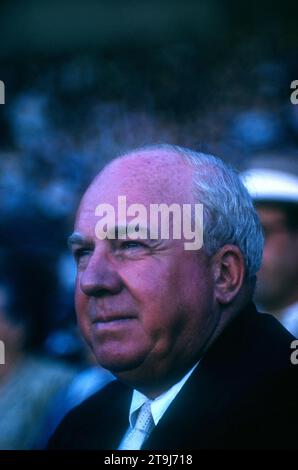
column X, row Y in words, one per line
column 229, row 269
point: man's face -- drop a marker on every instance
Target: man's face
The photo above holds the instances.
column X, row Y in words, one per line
column 278, row 276
column 143, row 305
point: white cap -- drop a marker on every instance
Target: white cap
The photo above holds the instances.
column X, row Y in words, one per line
column 271, row 185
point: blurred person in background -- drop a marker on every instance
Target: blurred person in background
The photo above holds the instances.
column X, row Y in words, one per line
column 89, row 380
column 27, row 383
column 273, row 184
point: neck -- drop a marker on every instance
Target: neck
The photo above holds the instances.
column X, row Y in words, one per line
column 151, row 385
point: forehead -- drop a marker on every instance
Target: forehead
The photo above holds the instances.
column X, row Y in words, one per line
column 144, row 178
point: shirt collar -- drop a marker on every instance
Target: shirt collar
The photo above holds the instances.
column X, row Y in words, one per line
column 160, row 404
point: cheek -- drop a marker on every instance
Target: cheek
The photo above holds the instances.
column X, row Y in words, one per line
column 81, row 303
column 142, row 282
column 165, row 294
column 152, row 289
column 78, row 295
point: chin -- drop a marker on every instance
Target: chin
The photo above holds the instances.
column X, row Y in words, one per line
column 116, row 362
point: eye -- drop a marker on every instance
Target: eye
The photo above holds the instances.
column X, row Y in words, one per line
column 132, row 244
column 80, row 254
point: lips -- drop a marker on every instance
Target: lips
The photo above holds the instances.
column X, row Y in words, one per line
column 112, row 318
column 112, row 324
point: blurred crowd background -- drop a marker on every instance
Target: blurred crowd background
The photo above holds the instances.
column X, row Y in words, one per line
column 87, row 80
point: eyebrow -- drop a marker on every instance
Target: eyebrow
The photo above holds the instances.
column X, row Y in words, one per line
column 77, row 239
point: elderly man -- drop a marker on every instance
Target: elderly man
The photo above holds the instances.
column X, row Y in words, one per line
column 197, row 367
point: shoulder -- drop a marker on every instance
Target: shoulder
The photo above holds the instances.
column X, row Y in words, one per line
column 90, row 417
column 253, row 351
column 257, row 334
column 272, row 341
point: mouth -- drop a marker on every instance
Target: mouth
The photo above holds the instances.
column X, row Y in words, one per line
column 112, row 321
column 112, row 317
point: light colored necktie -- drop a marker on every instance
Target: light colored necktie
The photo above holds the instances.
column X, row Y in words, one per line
column 144, row 424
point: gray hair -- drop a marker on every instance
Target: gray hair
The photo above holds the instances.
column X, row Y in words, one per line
column 229, row 214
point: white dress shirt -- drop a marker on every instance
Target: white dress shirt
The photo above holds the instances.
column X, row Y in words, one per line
column 158, row 406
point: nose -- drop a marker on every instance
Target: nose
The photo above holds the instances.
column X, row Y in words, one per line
column 100, row 278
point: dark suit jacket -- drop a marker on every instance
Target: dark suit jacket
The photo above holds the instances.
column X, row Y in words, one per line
column 243, row 394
